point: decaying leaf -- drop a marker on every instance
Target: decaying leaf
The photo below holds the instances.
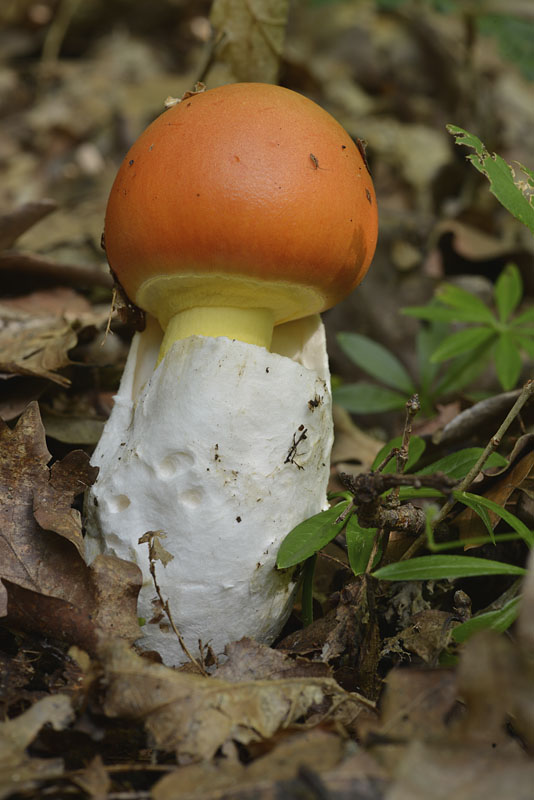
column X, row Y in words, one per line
column 250, row 661
column 18, row 771
column 416, row 704
column 38, row 330
column 463, row 773
column 250, row 35
column 95, row 780
column 427, row 635
column 352, row 444
column 317, row 750
column 347, row 632
column 34, row 345
column 49, row 586
column 195, row 716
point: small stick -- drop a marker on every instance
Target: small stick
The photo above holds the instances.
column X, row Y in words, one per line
column 157, row 552
column 413, row 407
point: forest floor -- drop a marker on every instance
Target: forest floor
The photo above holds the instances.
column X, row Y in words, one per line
column 378, row 697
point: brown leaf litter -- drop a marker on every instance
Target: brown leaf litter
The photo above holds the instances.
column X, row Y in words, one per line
column 46, row 584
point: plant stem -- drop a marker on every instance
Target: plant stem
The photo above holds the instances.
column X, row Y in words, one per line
column 307, row 591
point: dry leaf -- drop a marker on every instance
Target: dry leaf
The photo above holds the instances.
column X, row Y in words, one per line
column 50, row 588
column 347, row 633
column 195, row 716
column 31, row 345
column 95, row 780
column 447, row 771
column 37, row 331
column 351, row 444
column 427, row 636
column 18, row 771
column 316, row 750
column 415, row 704
column 250, row 36
column 249, row 661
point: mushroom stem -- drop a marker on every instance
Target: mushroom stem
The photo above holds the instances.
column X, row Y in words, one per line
column 224, row 485
column 250, row 325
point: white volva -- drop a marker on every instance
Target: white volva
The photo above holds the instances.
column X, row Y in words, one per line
column 225, row 447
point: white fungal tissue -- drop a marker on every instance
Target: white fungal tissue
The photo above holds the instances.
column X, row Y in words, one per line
column 224, row 447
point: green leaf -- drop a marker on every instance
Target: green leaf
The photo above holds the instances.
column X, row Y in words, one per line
column 482, row 512
column 367, row 398
column 463, row 370
column 466, row 302
column 409, row 492
column 507, row 361
column 475, row 500
column 462, row 342
column 376, row 361
column 310, row 536
column 500, row 175
column 508, row 291
column 425, row 568
column 457, row 465
column 438, row 313
column 526, row 317
column 526, row 342
column 499, row 621
column 359, row 545
column 427, row 340
column 416, row 448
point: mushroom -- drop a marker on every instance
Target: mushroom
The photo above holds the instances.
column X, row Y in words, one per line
column 236, row 217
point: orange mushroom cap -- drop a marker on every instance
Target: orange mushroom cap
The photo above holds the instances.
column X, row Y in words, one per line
column 247, row 193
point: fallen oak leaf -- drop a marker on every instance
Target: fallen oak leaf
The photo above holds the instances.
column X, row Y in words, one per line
column 195, row 716
column 52, row 506
column 47, row 585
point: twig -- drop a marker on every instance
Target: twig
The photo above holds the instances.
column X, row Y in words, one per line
column 58, row 273
column 110, row 316
column 156, row 552
column 413, row 407
column 368, row 486
column 526, row 393
column 393, row 453
column 337, row 561
column 374, row 550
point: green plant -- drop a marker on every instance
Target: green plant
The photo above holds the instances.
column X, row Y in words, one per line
column 468, row 351
column 496, row 332
column 304, row 542
column 515, row 193
column 499, row 334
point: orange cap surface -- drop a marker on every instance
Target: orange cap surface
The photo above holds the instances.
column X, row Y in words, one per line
column 248, row 181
